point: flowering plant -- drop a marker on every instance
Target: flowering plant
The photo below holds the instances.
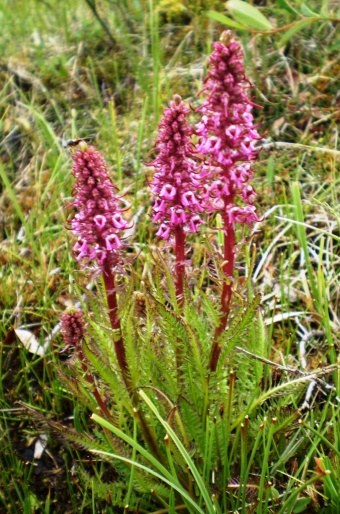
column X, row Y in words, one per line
column 154, row 364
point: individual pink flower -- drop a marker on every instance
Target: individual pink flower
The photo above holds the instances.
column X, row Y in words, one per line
column 98, row 222
column 176, row 185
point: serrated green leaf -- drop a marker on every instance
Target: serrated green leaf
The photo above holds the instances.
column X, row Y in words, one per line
column 233, row 333
column 104, row 371
column 258, row 340
column 221, row 18
column 195, row 351
column 171, row 289
column 81, row 440
column 210, row 309
column 248, row 15
column 173, row 322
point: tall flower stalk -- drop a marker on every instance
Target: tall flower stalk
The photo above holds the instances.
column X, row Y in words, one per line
column 176, row 188
column 227, row 135
column 99, row 225
column 176, row 185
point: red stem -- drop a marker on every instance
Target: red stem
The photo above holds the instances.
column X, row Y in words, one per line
column 180, row 254
column 90, row 380
column 110, row 287
column 228, row 269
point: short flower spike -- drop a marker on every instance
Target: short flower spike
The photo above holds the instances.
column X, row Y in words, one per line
column 176, row 185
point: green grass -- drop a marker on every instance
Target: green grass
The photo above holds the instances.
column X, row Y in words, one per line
column 62, row 76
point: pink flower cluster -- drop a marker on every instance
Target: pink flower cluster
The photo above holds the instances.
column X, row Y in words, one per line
column 73, row 327
column 98, row 222
column 176, row 184
column 227, row 133
column 182, row 187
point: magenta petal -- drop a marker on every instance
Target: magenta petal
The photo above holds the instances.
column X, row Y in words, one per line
column 100, row 221
column 163, row 232
column 168, row 192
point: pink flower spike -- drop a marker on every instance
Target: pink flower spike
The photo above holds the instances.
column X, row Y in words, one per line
column 159, row 206
column 227, row 132
column 188, row 198
column 73, row 327
column 168, row 192
column 98, row 222
column 113, row 242
column 177, row 184
column 178, row 216
column 119, row 222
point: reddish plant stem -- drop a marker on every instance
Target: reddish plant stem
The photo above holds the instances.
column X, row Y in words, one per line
column 228, row 269
column 90, row 380
column 110, row 287
column 180, row 254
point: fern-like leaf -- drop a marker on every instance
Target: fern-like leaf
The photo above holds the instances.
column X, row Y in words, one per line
column 80, row 440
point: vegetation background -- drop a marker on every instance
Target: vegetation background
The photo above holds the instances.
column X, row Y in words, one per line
column 106, row 69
